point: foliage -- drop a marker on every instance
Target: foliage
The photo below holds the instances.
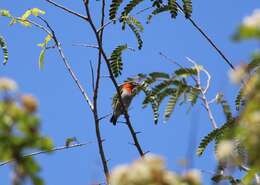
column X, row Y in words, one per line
column 116, row 60
column 3, row 46
column 24, row 20
column 187, row 8
column 173, row 8
column 215, row 134
column 249, row 29
column 20, row 132
column 44, row 48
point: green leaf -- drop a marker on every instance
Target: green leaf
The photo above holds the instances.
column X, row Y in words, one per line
column 114, row 8
column 239, row 99
column 34, row 11
column 157, row 11
column 152, row 100
column 130, row 6
column 187, row 8
column 41, row 58
column 225, row 107
column 186, row 72
column 157, row 75
column 173, row 8
column 156, row 90
column 136, row 23
column 43, row 51
column 70, row 141
column 116, row 60
column 171, row 105
column 137, row 34
column 212, row 136
column 255, row 62
column 194, row 95
column 245, row 32
column 3, row 45
column 247, row 179
column 5, row 13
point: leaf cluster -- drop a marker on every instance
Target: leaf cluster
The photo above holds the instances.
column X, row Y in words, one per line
column 20, row 133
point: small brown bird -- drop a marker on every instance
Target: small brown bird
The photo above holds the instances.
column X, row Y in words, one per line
column 127, row 95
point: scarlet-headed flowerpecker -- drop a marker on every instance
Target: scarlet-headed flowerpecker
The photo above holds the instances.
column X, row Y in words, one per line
column 127, row 95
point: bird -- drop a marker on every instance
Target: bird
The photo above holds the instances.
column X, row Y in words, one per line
column 127, row 94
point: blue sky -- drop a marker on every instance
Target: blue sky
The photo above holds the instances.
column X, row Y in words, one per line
column 65, row 114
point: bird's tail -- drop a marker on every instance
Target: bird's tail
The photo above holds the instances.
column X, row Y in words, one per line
column 113, row 119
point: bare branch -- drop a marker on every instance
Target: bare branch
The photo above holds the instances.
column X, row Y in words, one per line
column 67, row 10
column 67, row 65
column 138, row 146
column 48, row 151
column 92, row 75
column 86, row 45
column 208, row 39
column 203, row 93
column 95, row 99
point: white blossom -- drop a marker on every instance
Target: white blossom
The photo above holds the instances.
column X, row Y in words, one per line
column 252, row 21
column 7, row 84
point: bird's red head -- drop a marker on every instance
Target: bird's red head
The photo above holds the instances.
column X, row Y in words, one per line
column 129, row 86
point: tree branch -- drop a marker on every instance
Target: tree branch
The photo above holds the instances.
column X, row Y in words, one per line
column 67, row 65
column 208, row 39
column 95, row 99
column 48, row 151
column 66, row 9
column 113, row 78
column 203, row 92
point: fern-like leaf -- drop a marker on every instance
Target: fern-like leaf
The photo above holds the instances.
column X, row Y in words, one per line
column 114, row 8
column 254, row 63
column 130, row 6
column 157, row 75
column 193, row 95
column 3, row 45
column 136, row 22
column 137, row 34
column 186, row 72
column 165, row 93
column 152, row 99
column 213, row 136
column 173, row 8
column 157, row 11
column 239, row 99
column 171, row 104
column 116, row 60
column 225, row 107
column 187, row 8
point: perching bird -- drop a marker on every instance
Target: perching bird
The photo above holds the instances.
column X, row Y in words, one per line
column 127, row 95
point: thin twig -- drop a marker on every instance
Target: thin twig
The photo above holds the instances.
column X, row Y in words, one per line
column 138, row 146
column 96, row 47
column 36, row 25
column 118, row 18
column 105, row 116
column 208, row 39
column 67, row 65
column 67, row 10
column 95, row 99
column 86, row 45
column 92, row 75
column 176, row 63
column 203, row 93
column 48, row 151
